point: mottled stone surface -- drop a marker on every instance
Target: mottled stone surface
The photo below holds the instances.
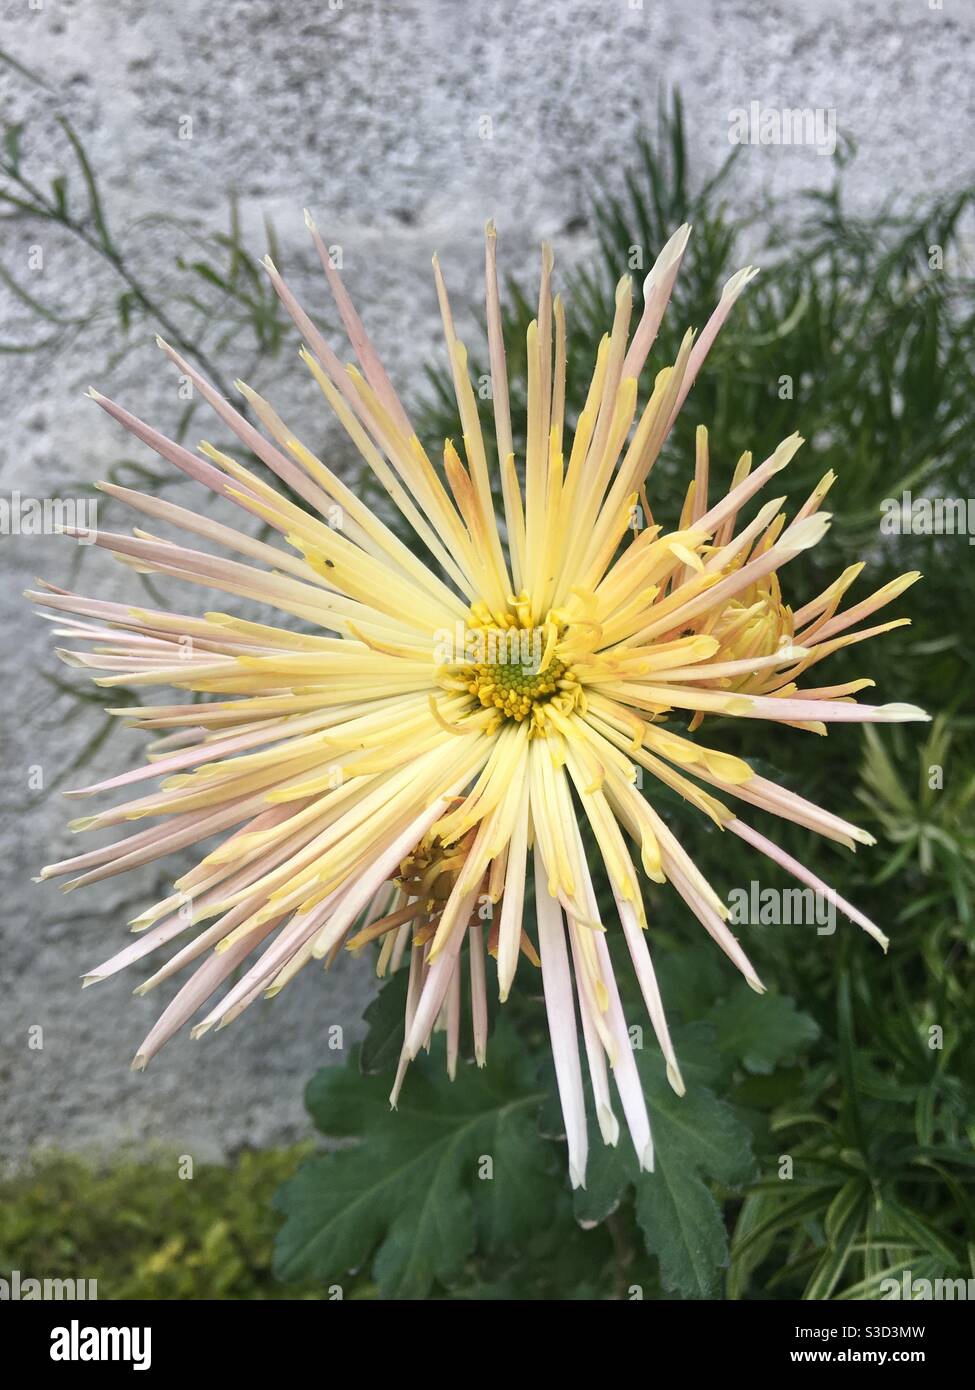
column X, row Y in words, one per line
column 375, row 114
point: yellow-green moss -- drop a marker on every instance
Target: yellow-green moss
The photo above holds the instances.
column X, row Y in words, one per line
column 143, row 1231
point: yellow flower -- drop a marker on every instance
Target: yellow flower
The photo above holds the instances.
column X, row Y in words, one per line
column 440, row 715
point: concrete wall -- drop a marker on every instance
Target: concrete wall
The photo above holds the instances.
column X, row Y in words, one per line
column 373, row 114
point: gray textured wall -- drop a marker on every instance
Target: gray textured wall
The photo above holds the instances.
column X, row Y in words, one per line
column 372, row 113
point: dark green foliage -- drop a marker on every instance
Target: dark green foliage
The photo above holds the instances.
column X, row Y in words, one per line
column 696, row 1138
column 415, row 1199
column 410, row 1210
column 774, row 1035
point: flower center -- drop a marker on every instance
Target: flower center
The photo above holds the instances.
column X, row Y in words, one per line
column 515, row 671
column 515, row 687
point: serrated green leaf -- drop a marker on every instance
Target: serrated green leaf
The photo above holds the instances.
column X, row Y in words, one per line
column 453, row 1161
column 762, row 1031
column 683, row 1226
column 695, row 1136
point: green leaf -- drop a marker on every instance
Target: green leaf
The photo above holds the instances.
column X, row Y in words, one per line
column 212, row 277
column 921, row 1232
column 59, row 188
column 383, row 1042
column 125, row 304
column 765, row 1214
column 91, row 184
column 682, row 1224
column 762, row 1031
column 11, row 146
column 695, row 1136
column 843, row 1225
column 453, row 1162
column 31, row 76
column 610, row 1174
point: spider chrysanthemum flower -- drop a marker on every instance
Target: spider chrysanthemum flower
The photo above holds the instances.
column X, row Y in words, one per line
column 442, row 715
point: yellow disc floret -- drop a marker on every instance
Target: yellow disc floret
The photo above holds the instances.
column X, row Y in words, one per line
column 516, row 670
column 513, row 688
